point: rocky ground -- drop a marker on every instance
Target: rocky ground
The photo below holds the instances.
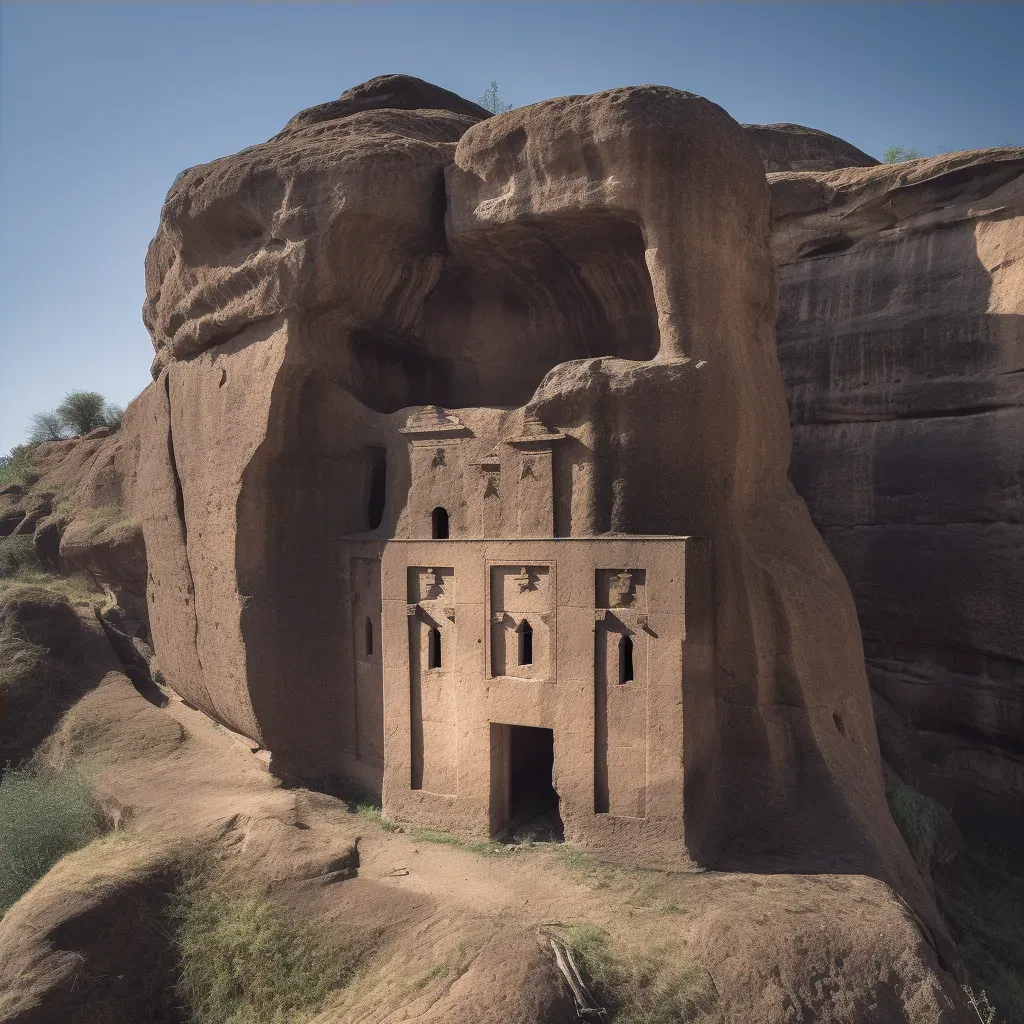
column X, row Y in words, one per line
column 435, row 931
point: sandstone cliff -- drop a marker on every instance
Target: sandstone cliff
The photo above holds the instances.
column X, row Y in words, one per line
column 396, row 249
column 901, row 336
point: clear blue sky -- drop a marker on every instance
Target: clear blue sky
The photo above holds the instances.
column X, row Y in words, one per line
column 100, row 107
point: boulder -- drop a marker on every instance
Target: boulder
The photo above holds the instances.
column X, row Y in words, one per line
column 794, row 147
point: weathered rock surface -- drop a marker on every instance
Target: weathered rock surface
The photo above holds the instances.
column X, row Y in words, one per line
column 901, row 336
column 794, row 147
column 303, row 294
column 304, row 291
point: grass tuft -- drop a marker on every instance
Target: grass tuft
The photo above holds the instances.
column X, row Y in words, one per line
column 640, row 989
column 42, row 818
column 16, row 467
column 919, row 818
column 242, row 962
column 20, row 566
column 482, row 848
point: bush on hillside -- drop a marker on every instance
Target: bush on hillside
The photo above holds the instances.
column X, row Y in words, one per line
column 77, row 414
column 897, row 154
column 42, row 818
column 920, row 819
column 492, row 102
column 15, row 467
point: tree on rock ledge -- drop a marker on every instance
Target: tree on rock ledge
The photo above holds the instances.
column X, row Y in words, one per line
column 80, row 412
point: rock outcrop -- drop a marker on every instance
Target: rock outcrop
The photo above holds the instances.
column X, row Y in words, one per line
column 901, row 336
column 305, row 291
column 597, row 266
column 794, row 147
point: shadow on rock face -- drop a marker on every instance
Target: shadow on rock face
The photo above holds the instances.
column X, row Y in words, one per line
column 906, row 406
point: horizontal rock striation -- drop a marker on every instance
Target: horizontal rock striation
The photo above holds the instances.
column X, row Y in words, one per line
column 901, row 336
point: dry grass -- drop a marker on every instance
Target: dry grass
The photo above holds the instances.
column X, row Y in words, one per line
column 20, row 566
column 640, row 989
column 32, row 684
column 241, row 962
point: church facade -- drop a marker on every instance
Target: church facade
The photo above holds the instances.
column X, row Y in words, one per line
column 503, row 674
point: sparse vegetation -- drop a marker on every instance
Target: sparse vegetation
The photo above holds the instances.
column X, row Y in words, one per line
column 242, row 962
column 77, row 414
column 42, row 817
column 15, row 467
column 982, row 898
column 20, row 566
column 918, row 818
column 482, row 848
column 640, row 989
column 18, row 555
column 897, row 154
column 492, row 102
column 30, row 683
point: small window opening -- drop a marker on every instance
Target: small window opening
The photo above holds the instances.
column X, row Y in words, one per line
column 439, row 523
column 626, row 660
column 434, row 648
column 368, row 636
column 377, row 490
column 525, row 643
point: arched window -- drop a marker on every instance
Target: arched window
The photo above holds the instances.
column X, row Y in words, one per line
column 439, row 523
column 368, row 637
column 434, row 648
column 626, row 659
column 525, row 643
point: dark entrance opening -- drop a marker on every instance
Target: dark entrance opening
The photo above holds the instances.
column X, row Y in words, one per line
column 439, row 523
column 377, row 489
column 532, row 799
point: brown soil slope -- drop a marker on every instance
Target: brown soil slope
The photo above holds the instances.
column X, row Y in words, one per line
column 448, row 934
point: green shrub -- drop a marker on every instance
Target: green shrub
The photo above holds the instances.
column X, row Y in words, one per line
column 15, row 467
column 919, row 818
column 241, row 962
column 77, row 414
column 897, row 154
column 640, row 990
column 42, row 818
column 17, row 556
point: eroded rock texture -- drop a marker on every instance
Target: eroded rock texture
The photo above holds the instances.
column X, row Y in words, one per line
column 397, row 249
column 901, row 335
column 794, row 147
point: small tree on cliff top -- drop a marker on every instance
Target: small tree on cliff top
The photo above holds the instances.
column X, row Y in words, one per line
column 897, row 154
column 492, row 102
column 77, row 414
